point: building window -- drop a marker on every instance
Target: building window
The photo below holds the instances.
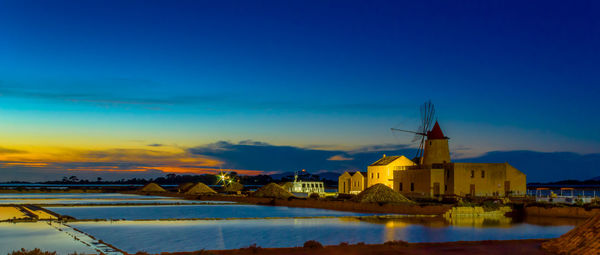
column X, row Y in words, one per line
column 371, row 175
column 472, row 173
column 482, row 173
column 445, row 187
column 412, row 186
column 400, row 186
column 377, row 175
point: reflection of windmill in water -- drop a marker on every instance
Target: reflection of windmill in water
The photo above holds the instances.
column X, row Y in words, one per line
column 424, row 131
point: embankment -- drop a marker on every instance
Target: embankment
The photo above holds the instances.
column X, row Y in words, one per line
column 348, row 206
column 530, row 247
column 569, row 212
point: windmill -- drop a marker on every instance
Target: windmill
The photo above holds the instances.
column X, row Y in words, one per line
column 427, row 116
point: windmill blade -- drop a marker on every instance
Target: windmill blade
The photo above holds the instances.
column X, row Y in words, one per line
column 427, row 115
column 408, row 131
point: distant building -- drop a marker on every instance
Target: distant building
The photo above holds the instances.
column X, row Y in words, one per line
column 436, row 175
column 344, row 183
column 352, row 183
column 358, row 182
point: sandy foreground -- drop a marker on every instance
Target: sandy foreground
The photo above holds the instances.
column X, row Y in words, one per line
column 529, row 247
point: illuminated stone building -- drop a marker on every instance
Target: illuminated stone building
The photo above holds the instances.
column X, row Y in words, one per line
column 436, row 175
column 352, row 183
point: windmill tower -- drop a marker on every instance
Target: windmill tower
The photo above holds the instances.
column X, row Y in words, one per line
column 433, row 145
column 436, row 149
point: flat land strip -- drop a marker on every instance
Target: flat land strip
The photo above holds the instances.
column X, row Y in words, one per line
column 529, row 247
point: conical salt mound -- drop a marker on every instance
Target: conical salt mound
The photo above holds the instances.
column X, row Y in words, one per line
column 272, row 190
column 584, row 239
column 185, row 187
column 234, row 187
column 287, row 186
column 152, row 187
column 379, row 193
column 200, row 188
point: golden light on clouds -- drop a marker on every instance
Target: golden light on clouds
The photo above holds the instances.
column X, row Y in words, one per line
column 165, row 159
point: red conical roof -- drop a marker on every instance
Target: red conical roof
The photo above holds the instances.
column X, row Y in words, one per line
column 436, row 132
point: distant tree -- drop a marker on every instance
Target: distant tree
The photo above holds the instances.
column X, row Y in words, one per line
column 73, row 178
column 171, row 177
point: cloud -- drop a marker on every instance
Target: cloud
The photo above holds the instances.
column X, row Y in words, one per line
column 155, row 145
column 255, row 157
column 4, row 150
column 276, row 158
column 99, row 93
column 109, row 163
column 340, row 157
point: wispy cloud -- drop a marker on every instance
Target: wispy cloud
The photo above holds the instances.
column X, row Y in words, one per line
column 220, row 102
column 340, row 157
column 4, row 150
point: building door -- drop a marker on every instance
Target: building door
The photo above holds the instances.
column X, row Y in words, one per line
column 436, row 189
column 507, row 188
column 472, row 190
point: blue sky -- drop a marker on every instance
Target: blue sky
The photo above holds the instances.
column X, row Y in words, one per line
column 332, row 75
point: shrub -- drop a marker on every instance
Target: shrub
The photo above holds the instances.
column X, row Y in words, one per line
column 314, row 196
column 35, row 251
column 312, row 244
column 343, row 196
column 253, row 248
column 490, row 205
column 396, row 243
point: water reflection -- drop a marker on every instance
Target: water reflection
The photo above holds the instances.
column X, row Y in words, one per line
column 476, row 222
column 156, row 236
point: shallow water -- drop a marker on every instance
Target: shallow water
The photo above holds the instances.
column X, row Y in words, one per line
column 194, row 212
column 103, row 201
column 75, row 196
column 172, row 236
column 14, row 236
column 93, row 198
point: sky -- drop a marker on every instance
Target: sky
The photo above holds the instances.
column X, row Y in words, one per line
column 116, row 89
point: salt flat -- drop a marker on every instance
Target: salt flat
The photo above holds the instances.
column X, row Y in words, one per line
column 30, row 235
